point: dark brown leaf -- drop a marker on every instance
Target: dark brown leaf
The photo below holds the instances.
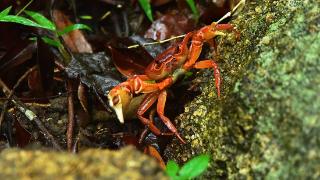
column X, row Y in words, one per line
column 45, row 60
column 75, row 40
column 16, row 55
column 95, row 71
column 35, row 83
column 83, row 97
column 130, row 62
column 159, row 2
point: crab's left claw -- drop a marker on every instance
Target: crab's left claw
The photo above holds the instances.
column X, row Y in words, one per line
column 219, row 33
column 119, row 99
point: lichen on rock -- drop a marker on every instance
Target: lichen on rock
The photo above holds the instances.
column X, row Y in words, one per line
column 266, row 124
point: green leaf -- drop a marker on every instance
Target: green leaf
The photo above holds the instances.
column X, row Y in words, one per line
column 5, row 11
column 195, row 166
column 73, row 27
column 146, row 6
column 87, row 17
column 177, row 178
column 172, row 168
column 42, row 20
column 51, row 42
column 193, row 8
column 19, row 20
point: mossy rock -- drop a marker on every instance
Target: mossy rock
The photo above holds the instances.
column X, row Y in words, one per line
column 267, row 122
column 127, row 163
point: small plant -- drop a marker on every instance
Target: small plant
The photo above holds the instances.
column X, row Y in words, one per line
column 146, row 6
column 189, row 170
column 40, row 21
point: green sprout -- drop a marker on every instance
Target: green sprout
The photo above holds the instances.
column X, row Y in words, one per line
column 189, row 170
column 194, row 9
column 39, row 21
column 146, row 6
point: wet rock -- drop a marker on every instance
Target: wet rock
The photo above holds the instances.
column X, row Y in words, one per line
column 266, row 124
column 127, row 163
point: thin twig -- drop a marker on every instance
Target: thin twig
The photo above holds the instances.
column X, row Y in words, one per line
column 5, row 105
column 30, row 115
column 157, row 42
column 105, row 15
column 28, row 4
column 233, row 11
column 71, row 120
column 76, row 142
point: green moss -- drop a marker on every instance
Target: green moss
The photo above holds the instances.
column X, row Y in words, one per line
column 267, row 122
column 126, row 163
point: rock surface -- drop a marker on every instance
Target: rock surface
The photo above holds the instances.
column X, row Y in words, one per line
column 267, row 122
column 126, row 163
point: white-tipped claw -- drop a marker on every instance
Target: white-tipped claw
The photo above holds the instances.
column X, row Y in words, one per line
column 119, row 113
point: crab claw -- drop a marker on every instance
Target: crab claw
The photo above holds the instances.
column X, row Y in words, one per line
column 208, row 32
column 219, row 33
column 119, row 99
column 221, row 27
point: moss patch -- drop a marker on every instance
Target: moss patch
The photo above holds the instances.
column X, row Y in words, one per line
column 267, row 122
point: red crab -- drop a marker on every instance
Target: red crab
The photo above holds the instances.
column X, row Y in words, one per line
column 163, row 72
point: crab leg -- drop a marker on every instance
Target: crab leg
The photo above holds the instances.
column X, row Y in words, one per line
column 204, row 64
column 141, row 85
column 160, row 109
column 224, row 26
column 149, row 100
column 203, row 35
column 195, row 50
column 228, row 27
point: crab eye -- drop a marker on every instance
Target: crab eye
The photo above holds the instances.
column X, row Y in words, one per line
column 115, row 100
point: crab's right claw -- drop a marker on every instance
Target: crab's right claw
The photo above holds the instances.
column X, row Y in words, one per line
column 119, row 99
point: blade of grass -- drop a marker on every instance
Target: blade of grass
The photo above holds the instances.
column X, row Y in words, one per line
column 5, row 12
column 146, row 6
column 27, row 5
column 51, row 42
column 73, row 27
column 42, row 20
column 19, row 20
column 193, row 8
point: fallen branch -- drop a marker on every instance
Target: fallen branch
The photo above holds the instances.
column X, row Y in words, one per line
column 30, row 115
column 5, row 105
